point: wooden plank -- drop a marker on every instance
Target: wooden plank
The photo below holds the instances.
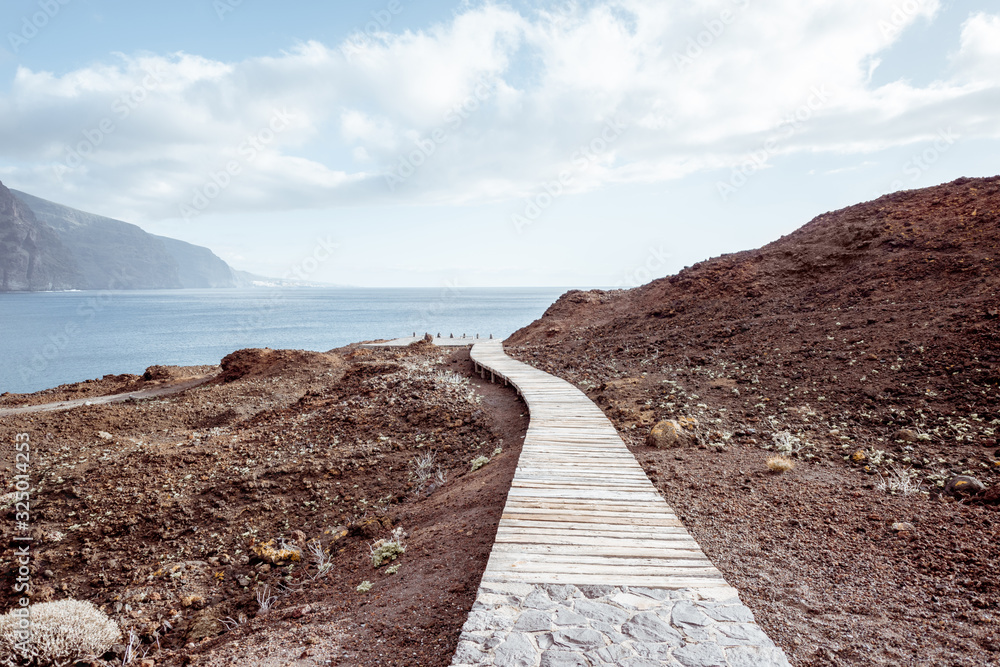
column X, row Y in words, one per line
column 580, row 508
column 606, row 506
column 526, row 567
column 699, row 562
column 628, row 550
column 538, row 534
column 621, row 579
column 553, row 517
column 619, row 513
column 596, row 494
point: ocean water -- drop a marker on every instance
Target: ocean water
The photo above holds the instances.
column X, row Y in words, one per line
column 53, row 338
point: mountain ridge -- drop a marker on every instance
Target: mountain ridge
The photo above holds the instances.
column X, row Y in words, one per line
column 112, row 254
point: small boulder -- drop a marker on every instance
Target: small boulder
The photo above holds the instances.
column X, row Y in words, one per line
column 905, row 434
column 205, row 624
column 963, row 486
column 689, row 423
column 158, row 373
column 665, row 435
column 902, row 526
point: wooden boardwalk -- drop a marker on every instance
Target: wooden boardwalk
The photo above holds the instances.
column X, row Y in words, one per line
column 462, row 340
column 581, row 510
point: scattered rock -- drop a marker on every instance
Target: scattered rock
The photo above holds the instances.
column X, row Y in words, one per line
column 159, row 373
column 665, row 434
column 963, row 486
column 205, row 624
column 688, row 423
column 906, row 435
column 901, row 526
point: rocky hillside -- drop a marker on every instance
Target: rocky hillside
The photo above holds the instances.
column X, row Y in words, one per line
column 79, row 250
column 232, row 524
column 895, row 299
column 32, row 257
column 865, row 349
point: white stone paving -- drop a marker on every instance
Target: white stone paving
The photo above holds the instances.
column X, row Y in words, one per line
column 552, row 625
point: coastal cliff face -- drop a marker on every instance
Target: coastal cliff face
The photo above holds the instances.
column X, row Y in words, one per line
column 47, row 246
column 32, row 257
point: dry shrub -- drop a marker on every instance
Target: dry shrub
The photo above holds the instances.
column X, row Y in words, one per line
column 780, row 464
column 61, row 633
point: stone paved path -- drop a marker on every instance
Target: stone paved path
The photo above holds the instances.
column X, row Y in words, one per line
column 590, row 565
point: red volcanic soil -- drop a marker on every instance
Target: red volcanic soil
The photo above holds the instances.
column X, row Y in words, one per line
column 866, row 345
column 171, row 514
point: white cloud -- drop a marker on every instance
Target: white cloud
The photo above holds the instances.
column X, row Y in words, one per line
column 978, row 59
column 489, row 105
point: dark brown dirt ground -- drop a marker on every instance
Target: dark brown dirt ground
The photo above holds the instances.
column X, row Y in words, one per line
column 869, row 340
column 159, row 523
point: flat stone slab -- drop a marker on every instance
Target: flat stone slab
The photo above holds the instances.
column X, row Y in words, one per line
column 590, row 565
column 563, row 625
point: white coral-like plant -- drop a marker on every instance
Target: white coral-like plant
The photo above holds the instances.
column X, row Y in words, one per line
column 386, row 550
column 56, row 634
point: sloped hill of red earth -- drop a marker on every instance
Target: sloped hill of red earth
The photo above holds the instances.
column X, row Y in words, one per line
column 233, row 523
column 868, row 341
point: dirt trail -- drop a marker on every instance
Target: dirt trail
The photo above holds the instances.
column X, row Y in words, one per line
column 142, row 394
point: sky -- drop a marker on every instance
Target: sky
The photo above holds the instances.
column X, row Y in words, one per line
column 403, row 143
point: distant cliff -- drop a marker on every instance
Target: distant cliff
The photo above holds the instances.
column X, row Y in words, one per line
column 47, row 246
column 32, row 256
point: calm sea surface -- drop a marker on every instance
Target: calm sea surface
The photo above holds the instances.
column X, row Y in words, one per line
column 48, row 339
